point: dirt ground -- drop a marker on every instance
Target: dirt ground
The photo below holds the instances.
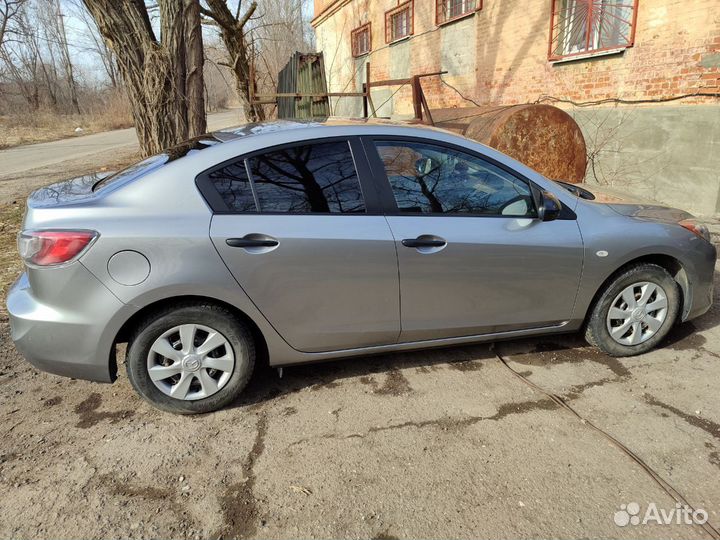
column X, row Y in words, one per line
column 445, row 443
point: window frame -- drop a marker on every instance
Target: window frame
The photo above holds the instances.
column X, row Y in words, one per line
column 556, row 34
column 410, row 6
column 353, row 37
column 368, row 189
column 438, row 9
column 387, row 197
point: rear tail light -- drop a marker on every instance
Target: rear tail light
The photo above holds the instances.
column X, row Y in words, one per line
column 53, row 248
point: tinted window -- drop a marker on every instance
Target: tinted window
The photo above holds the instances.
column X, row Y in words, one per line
column 233, row 185
column 432, row 179
column 308, row 178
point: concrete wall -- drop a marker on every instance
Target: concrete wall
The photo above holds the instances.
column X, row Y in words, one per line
column 669, row 154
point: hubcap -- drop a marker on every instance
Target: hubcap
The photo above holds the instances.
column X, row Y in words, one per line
column 637, row 313
column 190, row 362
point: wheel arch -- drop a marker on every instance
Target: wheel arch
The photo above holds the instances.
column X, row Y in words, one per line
column 674, row 267
column 123, row 334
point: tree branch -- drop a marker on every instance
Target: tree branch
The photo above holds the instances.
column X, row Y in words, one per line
column 247, row 15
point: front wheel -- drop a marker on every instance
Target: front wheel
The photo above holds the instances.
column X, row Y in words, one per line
column 190, row 359
column 635, row 311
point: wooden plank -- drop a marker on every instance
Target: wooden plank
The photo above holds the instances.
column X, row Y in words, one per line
column 310, row 94
column 389, row 82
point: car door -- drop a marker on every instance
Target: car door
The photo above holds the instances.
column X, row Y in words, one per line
column 473, row 256
column 301, row 232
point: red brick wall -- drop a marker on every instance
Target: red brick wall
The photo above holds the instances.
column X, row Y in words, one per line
column 500, row 54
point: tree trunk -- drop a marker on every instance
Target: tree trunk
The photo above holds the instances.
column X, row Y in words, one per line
column 194, row 80
column 154, row 73
column 232, row 31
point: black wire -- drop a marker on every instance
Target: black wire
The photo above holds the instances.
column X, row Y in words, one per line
column 669, row 489
column 699, row 93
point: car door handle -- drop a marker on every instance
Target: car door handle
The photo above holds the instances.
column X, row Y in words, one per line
column 251, row 242
column 422, row 242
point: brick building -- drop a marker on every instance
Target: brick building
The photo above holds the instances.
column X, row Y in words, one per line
column 646, row 72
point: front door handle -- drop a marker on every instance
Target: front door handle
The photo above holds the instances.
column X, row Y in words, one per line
column 421, row 242
column 251, row 242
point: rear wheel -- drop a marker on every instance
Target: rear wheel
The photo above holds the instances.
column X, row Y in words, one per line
column 190, row 359
column 635, row 311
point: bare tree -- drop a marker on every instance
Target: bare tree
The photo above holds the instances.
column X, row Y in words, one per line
column 22, row 61
column 163, row 77
column 97, row 44
column 9, row 10
column 55, row 24
column 280, row 31
column 233, row 31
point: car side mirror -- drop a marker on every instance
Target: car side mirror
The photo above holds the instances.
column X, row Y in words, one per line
column 550, row 207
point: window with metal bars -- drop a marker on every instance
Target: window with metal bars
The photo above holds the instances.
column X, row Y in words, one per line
column 581, row 27
column 448, row 10
column 361, row 39
column 399, row 22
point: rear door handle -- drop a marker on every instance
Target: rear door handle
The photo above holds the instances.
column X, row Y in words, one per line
column 422, row 243
column 251, row 242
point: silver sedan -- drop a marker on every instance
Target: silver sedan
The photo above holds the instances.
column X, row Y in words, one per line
column 303, row 242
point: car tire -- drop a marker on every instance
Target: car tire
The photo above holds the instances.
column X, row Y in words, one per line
column 628, row 318
column 209, row 388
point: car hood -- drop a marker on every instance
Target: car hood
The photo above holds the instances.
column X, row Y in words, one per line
column 635, row 206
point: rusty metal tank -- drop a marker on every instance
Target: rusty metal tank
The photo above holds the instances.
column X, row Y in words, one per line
column 542, row 137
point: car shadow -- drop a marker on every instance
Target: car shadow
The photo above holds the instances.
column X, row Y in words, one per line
column 266, row 384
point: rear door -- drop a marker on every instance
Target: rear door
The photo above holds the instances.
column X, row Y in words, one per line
column 300, row 230
column 473, row 256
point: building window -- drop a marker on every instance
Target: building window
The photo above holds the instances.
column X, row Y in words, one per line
column 582, row 27
column 361, row 40
column 399, row 22
column 448, row 10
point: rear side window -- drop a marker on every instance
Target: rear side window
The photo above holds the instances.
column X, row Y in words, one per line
column 309, row 178
column 233, row 185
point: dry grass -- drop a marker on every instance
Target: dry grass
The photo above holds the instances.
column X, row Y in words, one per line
column 45, row 125
column 11, row 216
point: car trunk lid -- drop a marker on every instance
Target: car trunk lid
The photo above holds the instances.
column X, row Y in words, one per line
column 74, row 191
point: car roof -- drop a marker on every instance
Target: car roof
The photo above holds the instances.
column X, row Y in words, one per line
column 354, row 125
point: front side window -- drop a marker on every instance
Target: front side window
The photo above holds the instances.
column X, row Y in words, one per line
column 310, row 178
column 430, row 179
column 587, row 26
column 399, row 22
column 447, row 10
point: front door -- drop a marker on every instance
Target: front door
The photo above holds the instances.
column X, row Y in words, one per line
column 299, row 240
column 473, row 258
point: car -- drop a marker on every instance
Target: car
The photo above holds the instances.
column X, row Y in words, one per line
column 302, row 242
